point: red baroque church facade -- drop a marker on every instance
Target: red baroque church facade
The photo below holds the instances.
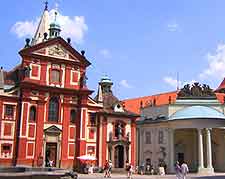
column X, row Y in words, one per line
column 46, row 112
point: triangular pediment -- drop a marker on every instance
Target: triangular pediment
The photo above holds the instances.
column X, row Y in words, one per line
column 56, row 51
column 56, row 48
column 53, row 129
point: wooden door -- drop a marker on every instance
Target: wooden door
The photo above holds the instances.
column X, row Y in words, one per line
column 51, row 153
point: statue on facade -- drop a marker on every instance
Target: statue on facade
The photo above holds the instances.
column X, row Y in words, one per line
column 196, row 90
column 119, row 131
column 128, row 136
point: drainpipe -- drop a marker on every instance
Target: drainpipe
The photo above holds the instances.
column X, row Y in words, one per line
column 18, row 123
column 21, row 74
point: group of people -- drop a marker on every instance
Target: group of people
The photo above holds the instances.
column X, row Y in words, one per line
column 108, row 169
column 181, row 170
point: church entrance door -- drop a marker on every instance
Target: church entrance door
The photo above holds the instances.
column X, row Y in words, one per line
column 51, row 154
column 119, row 156
column 180, row 157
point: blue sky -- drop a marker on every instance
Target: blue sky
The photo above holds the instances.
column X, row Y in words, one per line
column 140, row 44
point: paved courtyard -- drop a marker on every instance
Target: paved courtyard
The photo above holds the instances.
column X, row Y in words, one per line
column 123, row 176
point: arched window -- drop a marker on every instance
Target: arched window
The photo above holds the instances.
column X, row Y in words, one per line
column 32, row 116
column 53, row 109
column 73, row 114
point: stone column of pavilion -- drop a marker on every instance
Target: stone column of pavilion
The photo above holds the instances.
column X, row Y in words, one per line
column 200, row 151
column 209, row 150
column 171, row 137
column 201, row 168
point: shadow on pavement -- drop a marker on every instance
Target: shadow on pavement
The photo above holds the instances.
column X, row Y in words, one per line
column 210, row 177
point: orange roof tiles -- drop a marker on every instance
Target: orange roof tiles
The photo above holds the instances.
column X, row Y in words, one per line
column 220, row 97
column 221, row 86
column 134, row 104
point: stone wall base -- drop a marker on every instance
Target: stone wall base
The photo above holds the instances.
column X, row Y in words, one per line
column 206, row 171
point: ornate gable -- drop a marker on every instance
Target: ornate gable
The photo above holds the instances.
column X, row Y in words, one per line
column 56, row 51
column 56, row 48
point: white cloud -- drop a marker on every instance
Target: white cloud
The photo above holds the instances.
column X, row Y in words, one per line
column 105, row 53
column 174, row 83
column 73, row 27
column 170, row 81
column 216, row 64
column 25, row 28
column 125, row 84
column 173, row 26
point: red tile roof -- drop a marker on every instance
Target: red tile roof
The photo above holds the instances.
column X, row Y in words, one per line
column 220, row 97
column 134, row 104
column 221, row 86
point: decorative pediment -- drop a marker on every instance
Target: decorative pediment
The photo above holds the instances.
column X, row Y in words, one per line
column 56, row 48
column 196, row 91
column 148, row 153
column 53, row 129
column 56, row 51
column 118, row 107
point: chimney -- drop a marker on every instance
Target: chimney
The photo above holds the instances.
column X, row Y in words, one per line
column 1, row 81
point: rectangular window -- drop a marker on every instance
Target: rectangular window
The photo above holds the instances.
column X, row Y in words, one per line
column 90, row 150
column 55, row 76
column 161, row 137
column 6, row 148
column 9, row 110
column 92, row 118
column 147, row 137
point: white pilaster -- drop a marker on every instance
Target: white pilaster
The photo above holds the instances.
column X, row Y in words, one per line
column 200, row 151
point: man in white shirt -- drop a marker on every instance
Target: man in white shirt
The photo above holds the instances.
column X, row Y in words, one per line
column 184, row 170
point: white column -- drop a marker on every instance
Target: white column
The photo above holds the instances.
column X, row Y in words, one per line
column 209, row 148
column 200, row 150
column 171, row 137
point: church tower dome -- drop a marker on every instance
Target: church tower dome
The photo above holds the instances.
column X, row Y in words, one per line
column 55, row 29
column 106, row 84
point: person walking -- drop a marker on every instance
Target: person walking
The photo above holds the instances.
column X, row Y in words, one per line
column 106, row 169
column 110, row 169
column 178, row 170
column 130, row 171
column 142, row 168
column 184, row 170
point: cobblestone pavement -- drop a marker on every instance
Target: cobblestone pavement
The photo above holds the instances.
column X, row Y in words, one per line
column 123, row 176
